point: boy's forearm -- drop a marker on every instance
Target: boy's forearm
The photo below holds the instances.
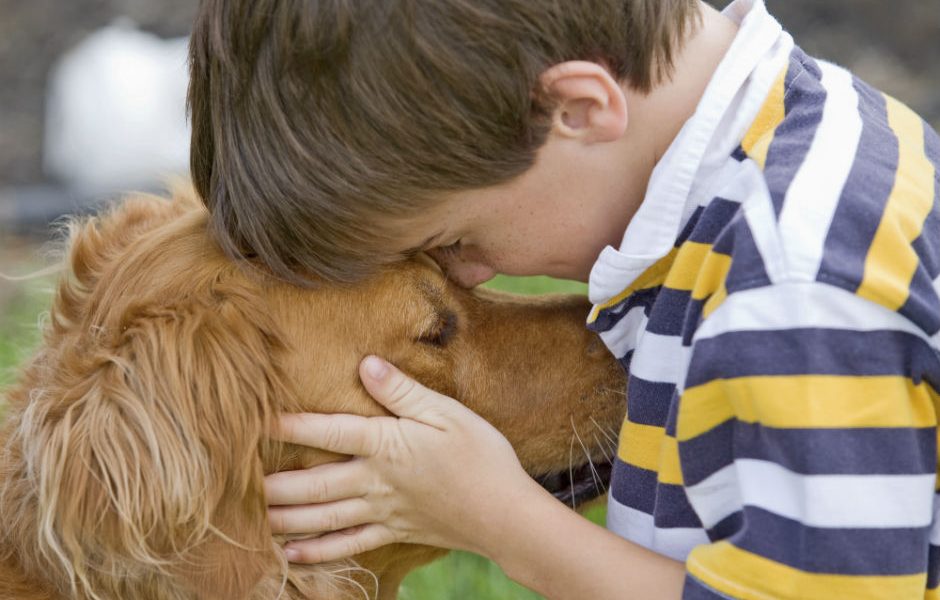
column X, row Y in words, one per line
column 548, row 548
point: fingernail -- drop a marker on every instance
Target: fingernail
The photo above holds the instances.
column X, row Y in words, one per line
column 376, row 367
column 291, row 554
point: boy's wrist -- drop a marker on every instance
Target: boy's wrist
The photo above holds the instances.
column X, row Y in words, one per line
column 544, row 545
column 512, row 535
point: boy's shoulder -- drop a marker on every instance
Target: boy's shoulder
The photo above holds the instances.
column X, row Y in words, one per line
column 840, row 184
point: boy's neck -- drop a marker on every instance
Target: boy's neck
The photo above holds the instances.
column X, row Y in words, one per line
column 659, row 115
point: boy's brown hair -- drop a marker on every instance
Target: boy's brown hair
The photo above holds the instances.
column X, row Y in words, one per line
column 321, row 126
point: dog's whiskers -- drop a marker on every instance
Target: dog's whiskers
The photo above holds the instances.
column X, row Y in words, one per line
column 571, row 471
column 604, row 432
column 609, row 390
column 598, row 485
column 604, row 445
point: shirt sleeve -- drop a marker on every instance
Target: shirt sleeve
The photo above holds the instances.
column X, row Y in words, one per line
column 807, row 435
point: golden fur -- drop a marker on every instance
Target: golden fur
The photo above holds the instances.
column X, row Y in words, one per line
column 135, row 445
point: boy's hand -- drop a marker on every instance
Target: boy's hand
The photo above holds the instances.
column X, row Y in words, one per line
column 426, row 476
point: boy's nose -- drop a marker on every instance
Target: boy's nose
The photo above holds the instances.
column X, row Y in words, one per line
column 464, row 273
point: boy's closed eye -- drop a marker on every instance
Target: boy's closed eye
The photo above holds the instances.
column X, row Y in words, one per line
column 450, row 249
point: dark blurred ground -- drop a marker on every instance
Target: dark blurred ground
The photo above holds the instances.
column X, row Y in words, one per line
column 894, row 44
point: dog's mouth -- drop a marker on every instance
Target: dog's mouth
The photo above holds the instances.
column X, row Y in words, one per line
column 579, row 484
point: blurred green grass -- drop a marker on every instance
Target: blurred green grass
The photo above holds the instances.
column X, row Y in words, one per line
column 458, row 576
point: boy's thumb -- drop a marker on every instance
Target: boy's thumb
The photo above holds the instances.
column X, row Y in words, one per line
column 399, row 393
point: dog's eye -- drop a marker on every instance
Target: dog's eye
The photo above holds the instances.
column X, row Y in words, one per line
column 442, row 332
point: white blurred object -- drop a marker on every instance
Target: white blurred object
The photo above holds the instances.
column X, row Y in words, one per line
column 116, row 112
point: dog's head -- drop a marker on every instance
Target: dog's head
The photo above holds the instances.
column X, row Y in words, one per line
column 136, row 441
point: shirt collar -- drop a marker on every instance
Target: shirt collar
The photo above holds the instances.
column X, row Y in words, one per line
column 653, row 230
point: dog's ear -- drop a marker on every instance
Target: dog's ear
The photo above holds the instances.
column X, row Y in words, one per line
column 147, row 452
column 94, row 244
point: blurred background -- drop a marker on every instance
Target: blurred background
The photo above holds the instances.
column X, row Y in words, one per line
column 91, row 96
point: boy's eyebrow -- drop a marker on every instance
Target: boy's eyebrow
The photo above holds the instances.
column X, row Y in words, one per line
column 424, row 245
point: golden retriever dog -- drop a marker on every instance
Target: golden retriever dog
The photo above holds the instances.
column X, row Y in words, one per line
column 136, row 440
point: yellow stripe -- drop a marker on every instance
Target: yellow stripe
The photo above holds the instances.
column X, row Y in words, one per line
column 715, row 301
column 685, row 271
column 648, row 447
column 756, row 142
column 714, row 271
column 670, row 469
column 933, row 594
column 651, row 277
column 742, row 574
column 699, row 270
column 807, row 401
column 639, row 445
column 891, row 261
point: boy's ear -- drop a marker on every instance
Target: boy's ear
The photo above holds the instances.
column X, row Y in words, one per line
column 589, row 103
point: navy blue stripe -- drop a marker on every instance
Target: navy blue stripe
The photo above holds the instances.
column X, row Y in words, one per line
column 672, row 419
column 927, row 244
column 809, row 352
column 608, row 318
column 933, row 567
column 866, row 192
column 696, row 590
column 639, row 489
column 859, row 451
column 668, row 314
column 724, row 244
column 715, row 218
column 747, row 266
column 673, row 508
column 648, row 401
column 932, row 148
column 804, row 101
column 625, row 361
column 808, row 63
column 845, row 551
column 739, row 154
column 708, row 453
column 693, row 318
column 727, row 526
column 922, row 305
column 690, row 226
column 812, row 451
column 633, row 486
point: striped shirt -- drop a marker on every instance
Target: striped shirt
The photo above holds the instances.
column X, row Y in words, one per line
column 775, row 303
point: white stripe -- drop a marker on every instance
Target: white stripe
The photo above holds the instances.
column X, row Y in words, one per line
column 864, row 501
column 935, row 530
column 815, row 190
column 802, row 305
column 758, row 209
column 716, row 497
column 936, row 289
column 621, row 338
column 639, row 528
column 659, row 358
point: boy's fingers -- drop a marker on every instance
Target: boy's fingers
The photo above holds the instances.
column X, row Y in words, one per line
column 340, row 544
column 341, row 433
column 323, row 483
column 401, row 394
column 317, row 518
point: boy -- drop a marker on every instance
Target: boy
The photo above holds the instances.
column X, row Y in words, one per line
column 760, row 235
